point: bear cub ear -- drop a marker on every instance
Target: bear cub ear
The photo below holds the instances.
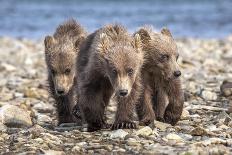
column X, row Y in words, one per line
column 79, row 41
column 137, row 42
column 48, row 41
column 166, row 31
column 144, row 34
column 103, row 43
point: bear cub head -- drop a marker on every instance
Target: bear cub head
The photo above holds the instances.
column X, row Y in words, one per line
column 60, row 57
column 122, row 58
column 161, row 52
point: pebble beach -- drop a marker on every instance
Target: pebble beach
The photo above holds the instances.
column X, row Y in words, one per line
column 28, row 118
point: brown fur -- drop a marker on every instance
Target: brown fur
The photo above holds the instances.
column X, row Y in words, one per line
column 61, row 52
column 110, row 60
column 159, row 72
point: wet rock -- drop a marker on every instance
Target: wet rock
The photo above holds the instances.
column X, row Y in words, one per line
column 76, row 149
column 3, row 128
column 208, row 95
column 13, row 116
column 230, row 124
column 132, row 142
column 81, row 144
column 42, row 107
column 52, row 140
column 43, row 119
column 172, row 136
column 118, row 134
column 186, row 137
column 97, row 146
column 199, row 131
column 146, row 131
column 226, row 88
column 7, row 67
column 160, row 125
column 31, row 92
column 53, row 152
column 185, row 114
column 36, row 131
column 223, row 118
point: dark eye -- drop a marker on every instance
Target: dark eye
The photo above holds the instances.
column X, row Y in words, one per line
column 130, row 71
column 164, row 57
column 67, row 71
column 53, row 71
column 114, row 71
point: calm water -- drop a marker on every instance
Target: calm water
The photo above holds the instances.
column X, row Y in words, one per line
column 195, row 18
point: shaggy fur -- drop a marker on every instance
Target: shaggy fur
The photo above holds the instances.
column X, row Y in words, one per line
column 110, row 62
column 161, row 76
column 61, row 52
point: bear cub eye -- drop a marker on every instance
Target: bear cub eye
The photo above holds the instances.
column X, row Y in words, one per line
column 164, row 57
column 67, row 71
column 114, row 71
column 130, row 71
column 53, row 71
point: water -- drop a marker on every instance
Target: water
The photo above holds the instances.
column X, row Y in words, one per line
column 191, row 18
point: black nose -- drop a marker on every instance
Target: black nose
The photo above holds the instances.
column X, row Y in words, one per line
column 177, row 73
column 123, row 92
column 60, row 91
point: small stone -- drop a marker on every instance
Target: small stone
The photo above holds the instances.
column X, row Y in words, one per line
column 42, row 107
column 39, row 140
column 76, row 149
column 185, row 114
column 172, row 136
column 13, row 116
column 160, row 125
column 31, row 93
column 213, row 141
column 43, row 119
column 208, row 95
column 198, row 131
column 186, row 137
column 51, row 139
column 3, row 128
column 226, row 88
column 230, row 124
column 53, row 152
column 7, row 67
column 6, row 97
column 146, row 131
column 118, row 134
column 119, row 150
column 132, row 142
column 82, row 144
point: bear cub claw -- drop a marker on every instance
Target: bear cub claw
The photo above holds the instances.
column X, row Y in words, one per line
column 124, row 125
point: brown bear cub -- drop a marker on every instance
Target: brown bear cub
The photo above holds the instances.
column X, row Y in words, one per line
column 110, row 60
column 161, row 76
column 61, row 52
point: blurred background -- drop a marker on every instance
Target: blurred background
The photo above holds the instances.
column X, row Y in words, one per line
column 192, row 18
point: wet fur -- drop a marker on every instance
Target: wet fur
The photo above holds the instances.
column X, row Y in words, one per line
column 95, row 85
column 165, row 91
column 61, row 50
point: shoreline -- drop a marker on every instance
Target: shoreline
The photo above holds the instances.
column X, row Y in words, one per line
column 229, row 36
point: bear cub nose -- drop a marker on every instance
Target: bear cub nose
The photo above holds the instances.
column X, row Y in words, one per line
column 60, row 91
column 123, row 92
column 177, row 73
